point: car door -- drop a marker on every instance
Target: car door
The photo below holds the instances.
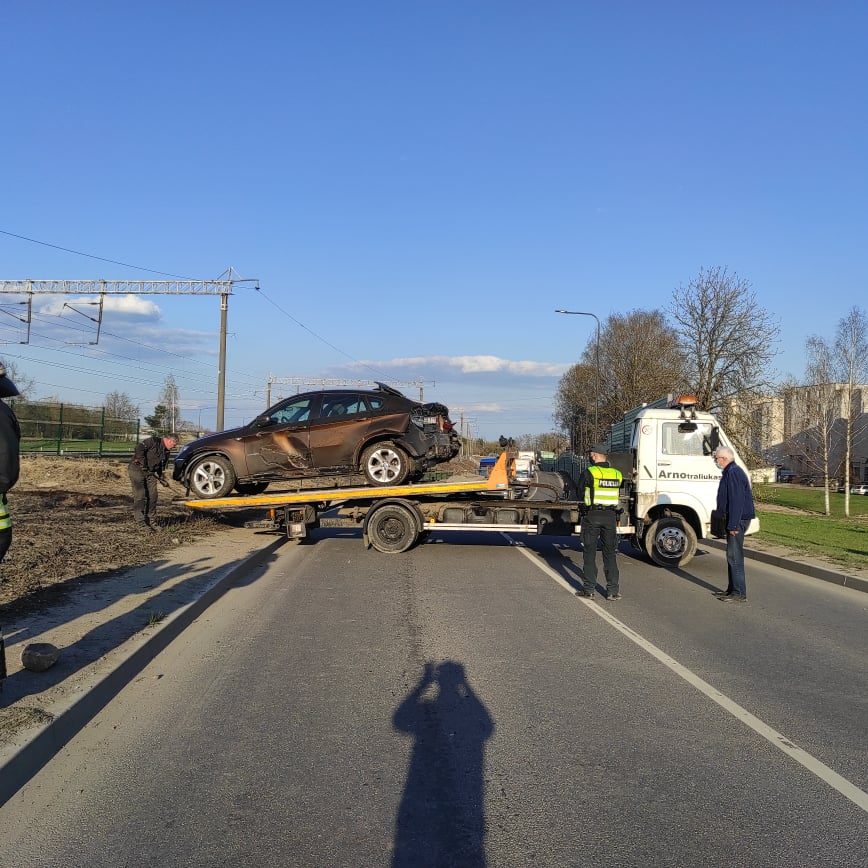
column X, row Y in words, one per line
column 338, row 429
column 279, row 441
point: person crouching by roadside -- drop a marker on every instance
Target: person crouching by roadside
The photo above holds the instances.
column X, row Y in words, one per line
column 146, row 472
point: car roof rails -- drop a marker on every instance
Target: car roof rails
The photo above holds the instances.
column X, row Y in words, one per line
column 389, row 389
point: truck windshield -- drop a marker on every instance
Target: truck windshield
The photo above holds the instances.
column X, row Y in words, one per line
column 694, row 439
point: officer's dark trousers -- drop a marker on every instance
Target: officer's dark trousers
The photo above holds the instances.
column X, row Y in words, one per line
column 144, row 495
column 600, row 524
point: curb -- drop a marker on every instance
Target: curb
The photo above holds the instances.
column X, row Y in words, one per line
column 855, row 583
column 46, row 743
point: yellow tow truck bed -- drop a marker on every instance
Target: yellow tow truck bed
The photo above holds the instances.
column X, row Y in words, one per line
column 497, row 481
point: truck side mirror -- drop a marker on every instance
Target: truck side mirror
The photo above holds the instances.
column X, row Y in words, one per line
column 715, row 438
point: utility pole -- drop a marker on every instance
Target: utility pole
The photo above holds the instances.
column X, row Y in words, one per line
column 221, row 364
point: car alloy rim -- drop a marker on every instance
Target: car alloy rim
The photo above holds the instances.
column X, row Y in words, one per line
column 209, row 477
column 384, row 465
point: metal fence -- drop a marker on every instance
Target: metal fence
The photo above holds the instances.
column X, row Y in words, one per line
column 72, row 429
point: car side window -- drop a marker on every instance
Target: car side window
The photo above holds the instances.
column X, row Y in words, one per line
column 295, row 411
column 376, row 404
column 335, row 406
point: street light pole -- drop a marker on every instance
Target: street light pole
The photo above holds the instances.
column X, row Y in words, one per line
column 599, row 375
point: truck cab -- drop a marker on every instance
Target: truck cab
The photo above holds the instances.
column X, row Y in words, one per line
column 674, row 478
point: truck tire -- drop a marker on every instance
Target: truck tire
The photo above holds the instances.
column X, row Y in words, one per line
column 670, row 541
column 212, row 476
column 385, row 464
column 392, row 528
column 248, row 488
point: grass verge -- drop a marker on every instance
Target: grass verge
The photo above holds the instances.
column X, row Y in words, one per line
column 810, row 499
column 839, row 539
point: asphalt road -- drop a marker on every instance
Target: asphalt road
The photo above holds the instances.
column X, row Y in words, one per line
column 457, row 706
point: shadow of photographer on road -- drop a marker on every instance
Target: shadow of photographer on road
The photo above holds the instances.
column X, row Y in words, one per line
column 441, row 818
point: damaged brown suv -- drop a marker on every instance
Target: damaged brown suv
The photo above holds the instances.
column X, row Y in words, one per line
column 379, row 433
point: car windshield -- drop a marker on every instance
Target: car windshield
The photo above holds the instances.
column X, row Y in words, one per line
column 681, row 439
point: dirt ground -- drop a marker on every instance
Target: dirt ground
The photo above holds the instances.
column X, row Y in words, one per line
column 72, row 521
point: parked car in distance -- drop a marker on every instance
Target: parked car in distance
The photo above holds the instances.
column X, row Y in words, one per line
column 380, row 433
column 859, row 489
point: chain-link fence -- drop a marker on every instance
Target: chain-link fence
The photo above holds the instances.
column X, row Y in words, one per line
column 71, row 429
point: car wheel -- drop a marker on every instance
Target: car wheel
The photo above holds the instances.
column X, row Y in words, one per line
column 212, row 476
column 385, row 464
column 392, row 528
column 248, row 488
column 670, row 542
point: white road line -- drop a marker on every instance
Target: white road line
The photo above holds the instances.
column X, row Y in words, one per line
column 780, row 741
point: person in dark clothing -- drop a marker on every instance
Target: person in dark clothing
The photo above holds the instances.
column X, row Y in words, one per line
column 598, row 492
column 146, row 472
column 735, row 501
column 10, row 466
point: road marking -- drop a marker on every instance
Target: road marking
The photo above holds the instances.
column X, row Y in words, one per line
column 780, row 741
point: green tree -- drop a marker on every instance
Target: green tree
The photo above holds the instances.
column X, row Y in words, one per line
column 159, row 422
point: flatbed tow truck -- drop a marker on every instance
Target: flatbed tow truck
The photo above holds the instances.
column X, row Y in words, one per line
column 393, row 519
column 663, row 449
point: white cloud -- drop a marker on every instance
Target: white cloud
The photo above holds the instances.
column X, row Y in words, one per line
column 485, row 408
column 472, row 365
column 125, row 305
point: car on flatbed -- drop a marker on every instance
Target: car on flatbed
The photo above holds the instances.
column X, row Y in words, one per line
column 380, row 433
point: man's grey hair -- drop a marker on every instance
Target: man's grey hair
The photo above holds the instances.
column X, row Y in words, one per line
column 724, row 452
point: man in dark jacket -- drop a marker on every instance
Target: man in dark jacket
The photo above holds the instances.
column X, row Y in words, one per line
column 10, row 438
column 598, row 487
column 735, row 501
column 146, row 472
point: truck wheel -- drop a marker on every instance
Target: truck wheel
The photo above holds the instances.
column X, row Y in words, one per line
column 392, row 529
column 670, row 542
column 212, row 476
column 250, row 487
column 385, row 464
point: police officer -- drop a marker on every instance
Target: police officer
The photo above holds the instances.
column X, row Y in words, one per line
column 10, row 438
column 146, row 471
column 598, row 492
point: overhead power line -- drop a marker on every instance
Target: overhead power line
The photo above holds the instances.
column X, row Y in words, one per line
column 90, row 255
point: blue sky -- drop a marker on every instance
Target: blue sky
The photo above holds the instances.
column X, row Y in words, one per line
column 421, row 184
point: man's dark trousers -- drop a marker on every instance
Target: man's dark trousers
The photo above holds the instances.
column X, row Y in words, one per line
column 735, row 560
column 144, row 495
column 600, row 524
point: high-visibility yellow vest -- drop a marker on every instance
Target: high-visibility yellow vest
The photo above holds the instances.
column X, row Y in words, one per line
column 5, row 518
column 607, row 481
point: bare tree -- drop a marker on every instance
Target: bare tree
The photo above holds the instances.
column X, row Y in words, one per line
column 729, row 339
column 170, row 398
column 119, row 405
column 851, row 365
column 640, row 360
column 822, row 408
column 575, row 403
